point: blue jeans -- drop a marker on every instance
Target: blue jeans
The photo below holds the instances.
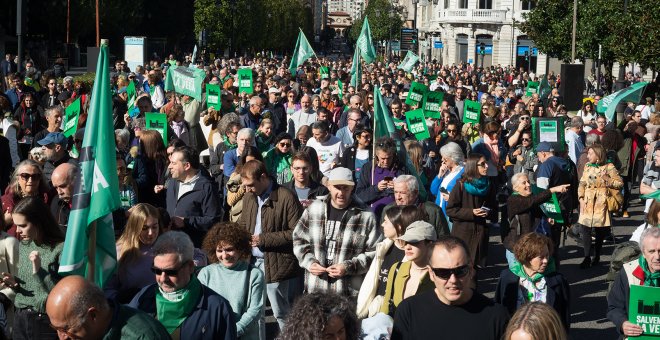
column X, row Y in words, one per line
column 281, row 295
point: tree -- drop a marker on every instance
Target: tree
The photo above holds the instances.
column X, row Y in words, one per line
column 384, row 21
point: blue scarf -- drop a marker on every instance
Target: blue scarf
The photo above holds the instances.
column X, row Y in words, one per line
column 477, row 187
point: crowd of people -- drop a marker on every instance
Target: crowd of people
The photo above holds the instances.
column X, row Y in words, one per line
column 286, row 195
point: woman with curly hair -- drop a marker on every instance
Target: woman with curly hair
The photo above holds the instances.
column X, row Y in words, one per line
column 321, row 316
column 134, row 253
column 231, row 275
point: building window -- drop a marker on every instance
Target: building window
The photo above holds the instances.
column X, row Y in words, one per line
column 446, row 4
column 462, row 3
column 528, row 5
column 485, row 4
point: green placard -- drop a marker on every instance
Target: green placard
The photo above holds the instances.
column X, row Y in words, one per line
column 340, row 86
column 158, row 122
column 471, row 111
column 213, row 96
column 548, row 130
column 245, row 80
column 71, row 114
column 644, row 310
column 417, row 124
column 432, row 103
column 551, row 207
column 416, row 93
column 324, row 71
column 131, row 94
column 186, row 81
column 532, row 87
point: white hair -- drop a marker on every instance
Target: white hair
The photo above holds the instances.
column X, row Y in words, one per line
column 410, row 181
column 246, row 132
column 453, row 151
column 651, row 232
column 515, row 180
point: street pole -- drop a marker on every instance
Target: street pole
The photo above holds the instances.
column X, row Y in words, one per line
column 574, row 27
column 19, row 32
column 513, row 35
column 98, row 32
column 600, row 50
column 68, row 19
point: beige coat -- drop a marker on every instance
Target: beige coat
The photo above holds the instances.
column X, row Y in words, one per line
column 592, row 193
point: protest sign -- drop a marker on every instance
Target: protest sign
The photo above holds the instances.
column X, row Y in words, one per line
column 471, row 112
column 409, row 61
column 551, row 207
column 432, row 103
column 71, row 114
column 131, row 95
column 324, row 71
column 185, row 81
column 532, row 87
column 245, row 80
column 644, row 310
column 416, row 93
column 417, row 124
column 158, row 122
column 213, row 96
column 548, row 130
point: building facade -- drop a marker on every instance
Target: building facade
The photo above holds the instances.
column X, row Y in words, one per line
column 354, row 8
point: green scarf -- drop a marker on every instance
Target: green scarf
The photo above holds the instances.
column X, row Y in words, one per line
column 228, row 144
column 172, row 314
column 650, row 279
column 517, row 268
column 593, row 165
column 477, row 187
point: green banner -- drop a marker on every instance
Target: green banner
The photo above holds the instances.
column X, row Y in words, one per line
column 71, row 114
column 471, row 111
column 416, row 93
column 409, row 62
column 432, row 103
column 324, row 71
column 185, row 81
column 245, row 80
column 158, row 122
column 213, row 95
column 417, row 124
column 644, row 311
column 633, row 93
column 532, row 87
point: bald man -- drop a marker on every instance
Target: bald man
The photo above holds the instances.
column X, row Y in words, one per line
column 63, row 179
column 77, row 309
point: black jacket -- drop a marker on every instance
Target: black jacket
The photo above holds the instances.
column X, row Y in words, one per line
column 558, row 296
column 348, row 158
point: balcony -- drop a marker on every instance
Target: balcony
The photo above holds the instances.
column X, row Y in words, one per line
column 476, row 16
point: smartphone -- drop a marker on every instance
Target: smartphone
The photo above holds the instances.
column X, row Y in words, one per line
column 484, row 208
column 388, row 178
column 443, row 190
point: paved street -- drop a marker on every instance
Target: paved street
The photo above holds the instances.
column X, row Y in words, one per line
column 588, row 287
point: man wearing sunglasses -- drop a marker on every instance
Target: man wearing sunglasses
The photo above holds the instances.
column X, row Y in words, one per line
column 187, row 308
column 453, row 309
column 54, row 146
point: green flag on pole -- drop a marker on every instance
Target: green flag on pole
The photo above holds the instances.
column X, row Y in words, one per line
column 356, row 68
column 365, row 43
column 302, row 52
column 384, row 127
column 409, row 61
column 633, row 93
column 89, row 247
column 544, row 88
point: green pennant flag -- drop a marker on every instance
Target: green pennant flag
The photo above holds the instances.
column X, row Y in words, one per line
column 96, row 191
column 532, row 87
column 365, row 43
column 340, row 85
column 417, row 124
column 158, row 122
column 384, row 127
column 356, row 69
column 213, row 94
column 185, row 81
column 409, row 61
column 432, row 103
column 416, row 93
column 633, row 93
column 131, row 94
column 471, row 111
column 302, row 52
column 71, row 115
column 245, row 80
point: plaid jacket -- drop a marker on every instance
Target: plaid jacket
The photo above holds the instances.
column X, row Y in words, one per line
column 356, row 246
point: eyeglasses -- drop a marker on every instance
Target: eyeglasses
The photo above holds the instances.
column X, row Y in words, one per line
column 26, row 176
column 524, row 118
column 526, row 139
column 451, row 130
column 168, row 272
column 482, row 164
column 446, row 273
column 402, row 243
column 285, row 145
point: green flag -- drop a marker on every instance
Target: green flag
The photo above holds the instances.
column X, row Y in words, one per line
column 71, row 115
column 302, row 52
column 340, row 86
column 544, row 88
column 633, row 93
column 532, row 87
column 131, row 94
column 365, row 43
column 356, row 69
column 96, row 191
column 409, row 61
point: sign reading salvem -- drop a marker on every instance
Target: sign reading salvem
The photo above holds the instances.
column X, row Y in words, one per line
column 185, row 81
column 417, row 124
column 471, row 111
column 157, row 121
column 71, row 114
column 213, row 96
column 416, row 93
column 644, row 310
column 245, row 80
column 432, row 104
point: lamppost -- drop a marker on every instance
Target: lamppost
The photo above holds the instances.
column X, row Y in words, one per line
column 415, row 2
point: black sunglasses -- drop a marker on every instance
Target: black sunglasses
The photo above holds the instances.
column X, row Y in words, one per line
column 168, row 272
column 446, row 273
column 26, row 176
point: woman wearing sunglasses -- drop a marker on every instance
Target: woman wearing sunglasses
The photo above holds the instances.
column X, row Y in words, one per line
column 410, row 276
column 533, row 278
column 278, row 159
column 134, row 253
column 26, row 181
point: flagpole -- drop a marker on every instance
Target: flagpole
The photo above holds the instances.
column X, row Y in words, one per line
column 91, row 253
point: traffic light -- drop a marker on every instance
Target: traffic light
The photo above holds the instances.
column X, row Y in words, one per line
column 482, row 49
column 409, row 39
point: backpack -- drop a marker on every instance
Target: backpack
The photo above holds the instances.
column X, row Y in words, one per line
column 623, row 253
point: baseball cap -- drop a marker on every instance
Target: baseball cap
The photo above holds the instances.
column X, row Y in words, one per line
column 340, row 176
column 545, row 147
column 53, row 138
column 419, row 231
